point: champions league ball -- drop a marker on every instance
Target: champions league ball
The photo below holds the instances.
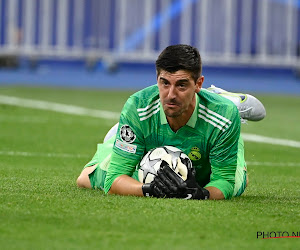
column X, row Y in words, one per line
column 150, row 164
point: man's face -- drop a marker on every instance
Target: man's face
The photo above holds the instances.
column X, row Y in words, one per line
column 177, row 92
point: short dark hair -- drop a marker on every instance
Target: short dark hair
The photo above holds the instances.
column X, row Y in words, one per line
column 180, row 57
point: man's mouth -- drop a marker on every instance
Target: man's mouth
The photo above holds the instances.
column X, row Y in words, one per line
column 172, row 104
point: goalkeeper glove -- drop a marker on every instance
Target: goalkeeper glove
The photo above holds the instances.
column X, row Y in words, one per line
column 188, row 189
column 161, row 186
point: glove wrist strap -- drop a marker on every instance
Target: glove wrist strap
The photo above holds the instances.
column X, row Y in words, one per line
column 206, row 194
column 202, row 194
column 147, row 190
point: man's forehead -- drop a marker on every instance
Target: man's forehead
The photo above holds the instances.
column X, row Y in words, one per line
column 180, row 74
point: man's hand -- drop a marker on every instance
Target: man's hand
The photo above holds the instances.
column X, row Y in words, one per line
column 161, row 186
column 188, row 189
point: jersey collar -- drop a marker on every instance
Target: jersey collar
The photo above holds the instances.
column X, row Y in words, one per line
column 191, row 122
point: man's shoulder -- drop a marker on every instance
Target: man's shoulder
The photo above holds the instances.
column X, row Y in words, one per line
column 145, row 97
column 217, row 111
column 215, row 102
column 142, row 104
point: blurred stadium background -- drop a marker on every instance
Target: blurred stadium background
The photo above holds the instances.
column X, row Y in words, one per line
column 251, row 45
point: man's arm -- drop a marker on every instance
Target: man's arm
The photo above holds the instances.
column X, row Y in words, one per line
column 128, row 149
column 126, row 185
column 223, row 158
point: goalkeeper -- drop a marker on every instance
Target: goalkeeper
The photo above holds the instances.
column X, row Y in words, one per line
column 177, row 111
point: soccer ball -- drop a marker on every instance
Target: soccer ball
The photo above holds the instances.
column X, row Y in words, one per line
column 150, row 164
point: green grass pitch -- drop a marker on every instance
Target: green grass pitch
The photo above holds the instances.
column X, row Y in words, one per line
column 42, row 153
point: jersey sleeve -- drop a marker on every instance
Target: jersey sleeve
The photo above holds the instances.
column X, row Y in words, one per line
column 129, row 145
column 223, row 157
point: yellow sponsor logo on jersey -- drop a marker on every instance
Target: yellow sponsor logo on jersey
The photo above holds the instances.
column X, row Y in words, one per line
column 195, row 154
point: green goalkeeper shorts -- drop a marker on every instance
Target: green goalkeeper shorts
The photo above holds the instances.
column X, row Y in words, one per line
column 103, row 155
column 102, row 159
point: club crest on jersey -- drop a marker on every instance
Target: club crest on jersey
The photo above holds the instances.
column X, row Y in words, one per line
column 126, row 133
column 195, row 154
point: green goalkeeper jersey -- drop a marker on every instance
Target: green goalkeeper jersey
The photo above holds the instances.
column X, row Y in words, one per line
column 210, row 137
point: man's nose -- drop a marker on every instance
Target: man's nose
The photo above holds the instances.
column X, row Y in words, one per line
column 172, row 92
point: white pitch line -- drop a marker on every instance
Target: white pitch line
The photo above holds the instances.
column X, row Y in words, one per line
column 76, row 110
column 269, row 140
column 57, row 107
column 271, row 164
column 41, row 154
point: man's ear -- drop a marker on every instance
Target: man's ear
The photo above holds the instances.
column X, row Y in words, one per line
column 199, row 84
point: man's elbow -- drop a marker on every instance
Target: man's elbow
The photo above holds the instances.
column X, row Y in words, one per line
column 215, row 193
